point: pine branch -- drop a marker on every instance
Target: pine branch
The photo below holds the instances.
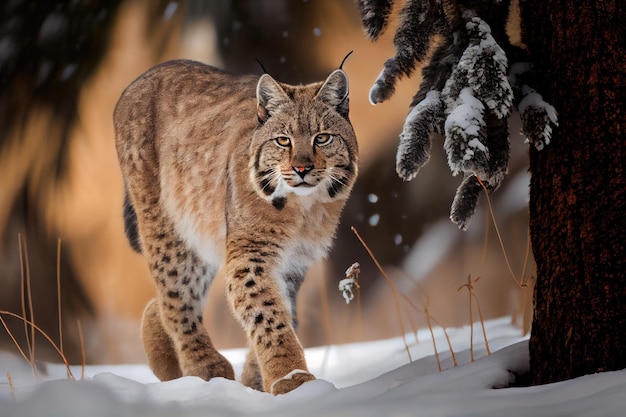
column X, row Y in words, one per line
column 411, row 40
column 466, row 135
column 466, row 92
column 537, row 118
column 374, row 16
column 415, row 143
column 465, row 201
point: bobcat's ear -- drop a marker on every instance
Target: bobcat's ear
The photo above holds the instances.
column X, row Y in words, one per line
column 269, row 96
column 334, row 92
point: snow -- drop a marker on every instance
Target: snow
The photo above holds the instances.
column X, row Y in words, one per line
column 170, row 10
column 467, row 114
column 349, row 285
column 52, row 27
column 532, row 98
column 374, row 91
column 432, row 99
column 464, row 125
column 361, row 379
column 532, row 105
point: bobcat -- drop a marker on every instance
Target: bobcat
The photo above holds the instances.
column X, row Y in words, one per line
column 236, row 170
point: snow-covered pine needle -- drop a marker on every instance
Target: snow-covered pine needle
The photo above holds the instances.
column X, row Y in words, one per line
column 486, row 68
column 414, row 148
column 350, row 284
column 411, row 42
column 465, row 135
column 465, row 201
column 537, row 118
column 374, row 16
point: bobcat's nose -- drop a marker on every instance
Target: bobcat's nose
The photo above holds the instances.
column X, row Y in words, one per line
column 302, row 171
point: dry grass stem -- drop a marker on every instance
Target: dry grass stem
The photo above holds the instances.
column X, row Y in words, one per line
column 24, row 289
column 17, row 345
column 445, row 333
column 11, row 386
column 59, row 294
column 413, row 327
column 394, row 291
column 526, row 257
column 432, row 335
column 83, row 357
column 470, row 288
column 472, row 296
column 495, row 224
column 482, row 324
column 35, row 327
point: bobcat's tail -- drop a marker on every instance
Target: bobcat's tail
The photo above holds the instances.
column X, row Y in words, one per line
column 130, row 223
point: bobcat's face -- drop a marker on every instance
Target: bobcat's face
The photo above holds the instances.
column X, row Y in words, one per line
column 305, row 143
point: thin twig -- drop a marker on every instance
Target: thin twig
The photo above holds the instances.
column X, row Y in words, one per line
column 20, row 245
column 82, row 350
column 394, row 291
column 37, row 328
column 17, row 345
column 471, row 316
column 59, row 294
column 29, row 293
column 482, row 323
column 432, row 335
column 413, row 327
column 526, row 256
column 445, row 332
column 495, row 224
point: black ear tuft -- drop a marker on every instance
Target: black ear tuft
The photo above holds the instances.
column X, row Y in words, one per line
column 334, row 92
column 270, row 95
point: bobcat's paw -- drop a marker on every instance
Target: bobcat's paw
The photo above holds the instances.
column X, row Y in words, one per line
column 211, row 366
column 251, row 374
column 290, row 381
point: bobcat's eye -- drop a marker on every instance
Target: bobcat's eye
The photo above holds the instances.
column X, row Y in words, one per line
column 323, row 139
column 283, row 141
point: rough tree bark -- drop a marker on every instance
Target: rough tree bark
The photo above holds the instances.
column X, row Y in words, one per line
column 578, row 188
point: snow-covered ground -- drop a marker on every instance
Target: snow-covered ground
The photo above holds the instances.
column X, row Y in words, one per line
column 364, row 379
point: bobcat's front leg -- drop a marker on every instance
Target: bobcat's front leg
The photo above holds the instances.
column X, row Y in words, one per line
column 176, row 314
column 264, row 311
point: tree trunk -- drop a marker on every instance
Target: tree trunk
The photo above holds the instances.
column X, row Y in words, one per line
column 578, row 188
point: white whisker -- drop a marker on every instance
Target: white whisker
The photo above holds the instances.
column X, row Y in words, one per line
column 272, row 176
column 340, row 179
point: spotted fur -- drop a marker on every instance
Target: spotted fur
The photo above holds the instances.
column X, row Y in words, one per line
column 243, row 173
